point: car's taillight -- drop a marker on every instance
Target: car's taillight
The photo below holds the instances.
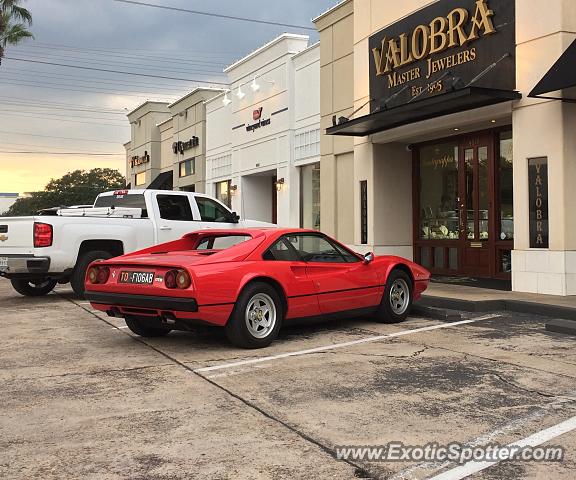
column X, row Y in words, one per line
column 170, row 279
column 103, row 274
column 183, row 279
column 177, row 279
column 98, row 275
column 43, row 235
column 92, row 275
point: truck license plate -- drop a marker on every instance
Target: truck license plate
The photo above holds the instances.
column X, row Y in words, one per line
column 3, row 263
column 137, row 278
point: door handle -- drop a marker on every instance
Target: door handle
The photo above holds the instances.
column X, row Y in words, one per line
column 165, row 227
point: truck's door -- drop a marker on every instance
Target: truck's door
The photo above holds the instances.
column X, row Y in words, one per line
column 213, row 214
column 173, row 214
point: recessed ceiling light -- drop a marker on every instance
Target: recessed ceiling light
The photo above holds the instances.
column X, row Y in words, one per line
column 493, row 121
column 456, row 129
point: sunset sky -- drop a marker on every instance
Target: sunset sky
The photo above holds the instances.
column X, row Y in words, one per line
column 86, row 109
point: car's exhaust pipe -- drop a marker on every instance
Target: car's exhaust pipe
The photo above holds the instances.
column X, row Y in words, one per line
column 168, row 318
column 114, row 313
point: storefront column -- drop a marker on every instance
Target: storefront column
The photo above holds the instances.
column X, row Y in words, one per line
column 543, row 129
column 388, row 169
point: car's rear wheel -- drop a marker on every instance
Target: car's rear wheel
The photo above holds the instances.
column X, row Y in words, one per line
column 257, row 317
column 33, row 288
column 397, row 299
column 79, row 276
column 139, row 327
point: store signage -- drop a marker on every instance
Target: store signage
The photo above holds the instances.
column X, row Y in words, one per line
column 181, row 147
column 444, row 46
column 538, row 197
column 257, row 116
column 364, row 212
column 441, row 162
column 136, row 160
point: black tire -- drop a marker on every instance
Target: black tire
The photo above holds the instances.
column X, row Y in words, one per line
column 386, row 313
column 139, row 327
column 82, row 264
column 237, row 329
column 33, row 288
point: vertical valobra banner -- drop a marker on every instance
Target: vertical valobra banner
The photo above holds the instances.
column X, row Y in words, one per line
column 538, row 195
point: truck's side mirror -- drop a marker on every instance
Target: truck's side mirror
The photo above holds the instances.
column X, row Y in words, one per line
column 234, row 217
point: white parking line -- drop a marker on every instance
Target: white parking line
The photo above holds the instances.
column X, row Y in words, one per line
column 534, row 440
column 342, row 345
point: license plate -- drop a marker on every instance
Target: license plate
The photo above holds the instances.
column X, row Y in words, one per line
column 3, row 263
column 137, row 278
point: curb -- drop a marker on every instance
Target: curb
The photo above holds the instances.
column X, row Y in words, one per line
column 519, row 306
column 567, row 327
column 444, row 315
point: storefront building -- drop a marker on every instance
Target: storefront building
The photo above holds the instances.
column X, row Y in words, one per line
column 255, row 145
column 167, row 150
column 432, row 133
column 143, row 152
column 263, row 135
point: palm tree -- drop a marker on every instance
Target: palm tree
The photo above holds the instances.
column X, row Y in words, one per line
column 14, row 23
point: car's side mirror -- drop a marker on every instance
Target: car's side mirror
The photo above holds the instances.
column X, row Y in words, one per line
column 368, row 258
column 234, row 217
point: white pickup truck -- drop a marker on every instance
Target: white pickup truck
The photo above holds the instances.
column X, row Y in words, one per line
column 37, row 253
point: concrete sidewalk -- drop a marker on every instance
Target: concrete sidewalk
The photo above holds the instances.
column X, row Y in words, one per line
column 476, row 294
column 562, row 310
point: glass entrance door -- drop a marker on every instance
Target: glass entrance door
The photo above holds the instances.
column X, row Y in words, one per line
column 476, row 205
column 463, row 212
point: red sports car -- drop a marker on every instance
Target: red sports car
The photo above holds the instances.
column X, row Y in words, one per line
column 251, row 282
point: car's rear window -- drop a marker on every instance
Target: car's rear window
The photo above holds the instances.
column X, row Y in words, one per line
column 135, row 200
column 221, row 242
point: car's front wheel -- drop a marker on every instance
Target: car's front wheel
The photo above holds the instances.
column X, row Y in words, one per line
column 33, row 288
column 397, row 300
column 257, row 317
column 139, row 327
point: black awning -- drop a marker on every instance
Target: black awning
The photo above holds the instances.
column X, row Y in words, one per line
column 561, row 77
column 163, row 181
column 432, row 107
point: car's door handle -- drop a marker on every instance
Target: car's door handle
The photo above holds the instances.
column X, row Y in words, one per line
column 165, row 227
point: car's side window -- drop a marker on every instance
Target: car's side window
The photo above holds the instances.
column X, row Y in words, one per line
column 175, row 207
column 281, row 251
column 316, row 248
column 211, row 211
column 349, row 257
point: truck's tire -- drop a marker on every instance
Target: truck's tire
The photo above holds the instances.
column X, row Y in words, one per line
column 140, row 328
column 79, row 275
column 33, row 288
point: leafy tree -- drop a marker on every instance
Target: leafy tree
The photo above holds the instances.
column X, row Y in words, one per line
column 79, row 187
column 14, row 23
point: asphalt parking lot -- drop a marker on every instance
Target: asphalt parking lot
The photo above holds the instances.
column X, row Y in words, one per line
column 82, row 397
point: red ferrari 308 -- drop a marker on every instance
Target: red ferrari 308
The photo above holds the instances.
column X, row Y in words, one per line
column 251, row 282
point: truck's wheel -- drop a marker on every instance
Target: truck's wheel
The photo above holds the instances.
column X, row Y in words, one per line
column 140, row 328
column 33, row 288
column 79, row 275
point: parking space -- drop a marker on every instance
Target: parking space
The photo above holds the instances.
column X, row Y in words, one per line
column 84, row 398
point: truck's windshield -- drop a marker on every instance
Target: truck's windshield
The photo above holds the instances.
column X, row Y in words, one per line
column 134, row 200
